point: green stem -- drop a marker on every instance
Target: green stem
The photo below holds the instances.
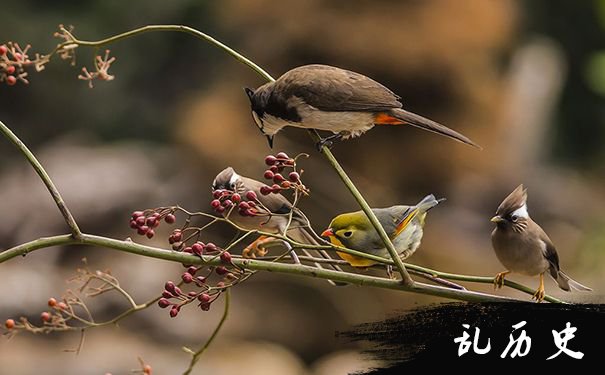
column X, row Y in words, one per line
column 69, row 219
column 286, row 268
column 197, row 354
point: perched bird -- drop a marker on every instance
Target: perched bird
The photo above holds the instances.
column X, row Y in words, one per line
column 404, row 225
column 276, row 220
column 327, row 98
column 523, row 247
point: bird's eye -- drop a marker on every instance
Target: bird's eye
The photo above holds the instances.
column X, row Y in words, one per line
column 232, row 186
column 514, row 218
column 347, row 234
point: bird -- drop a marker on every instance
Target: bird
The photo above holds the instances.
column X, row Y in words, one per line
column 274, row 215
column 523, row 247
column 403, row 224
column 324, row 97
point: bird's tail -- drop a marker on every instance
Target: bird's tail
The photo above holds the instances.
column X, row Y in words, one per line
column 418, row 121
column 428, row 202
column 567, row 283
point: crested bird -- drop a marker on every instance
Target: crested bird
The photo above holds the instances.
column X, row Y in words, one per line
column 522, row 246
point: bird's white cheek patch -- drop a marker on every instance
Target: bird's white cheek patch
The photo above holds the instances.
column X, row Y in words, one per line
column 521, row 212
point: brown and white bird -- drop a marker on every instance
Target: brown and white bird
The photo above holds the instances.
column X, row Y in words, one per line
column 328, row 98
column 523, row 247
column 276, row 220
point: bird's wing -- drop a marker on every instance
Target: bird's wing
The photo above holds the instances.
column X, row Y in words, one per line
column 549, row 251
column 333, row 89
column 403, row 216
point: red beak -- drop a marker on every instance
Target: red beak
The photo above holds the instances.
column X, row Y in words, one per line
column 327, row 233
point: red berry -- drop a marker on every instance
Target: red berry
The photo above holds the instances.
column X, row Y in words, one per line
column 10, row 69
column 250, row 212
column 243, row 205
column 133, row 224
column 140, row 221
column 215, row 203
column 150, row 233
column 227, row 203
column 143, row 230
column 192, row 270
column 52, row 302
column 187, row 278
column 217, row 193
column 277, row 178
column 150, row 221
column 9, row 323
column 11, row 80
column 137, row 214
column 200, row 279
column 274, row 169
column 205, row 306
column 289, row 162
column 220, row 284
column 270, row 160
column 3, row 50
column 170, row 219
column 62, row 306
column 236, row 198
column 177, row 235
column 294, row 176
column 204, row 297
column 147, row 370
column 18, row 56
column 197, row 248
column 167, row 294
column 226, row 257
column 268, row 174
column 282, row 155
column 275, row 188
column 220, row 209
column 286, row 184
column 211, row 248
column 163, row 303
column 220, row 270
column 188, row 249
column 45, row 316
column 174, row 311
column 265, row 190
column 169, row 286
column 252, row 203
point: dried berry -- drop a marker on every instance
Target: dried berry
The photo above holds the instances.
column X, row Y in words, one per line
column 174, row 311
column 170, row 219
column 220, row 270
column 3, row 50
column 150, row 233
column 163, row 303
column 187, row 278
column 226, row 257
column 45, row 316
column 52, row 302
column 9, row 324
column 265, row 190
column 282, row 155
column 204, row 297
column 294, row 176
column 270, row 160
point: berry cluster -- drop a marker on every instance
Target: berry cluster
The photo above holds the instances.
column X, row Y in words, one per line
column 13, row 61
column 277, row 164
column 205, row 295
column 146, row 221
column 57, row 316
column 224, row 200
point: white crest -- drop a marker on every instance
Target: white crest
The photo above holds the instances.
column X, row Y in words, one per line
column 521, row 212
column 234, row 178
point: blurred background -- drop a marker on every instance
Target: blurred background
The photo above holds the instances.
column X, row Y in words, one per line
column 526, row 80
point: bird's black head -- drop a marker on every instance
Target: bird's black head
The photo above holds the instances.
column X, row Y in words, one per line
column 512, row 212
column 259, row 99
column 225, row 180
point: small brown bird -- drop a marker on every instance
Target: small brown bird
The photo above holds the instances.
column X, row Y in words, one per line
column 327, row 98
column 276, row 221
column 523, row 247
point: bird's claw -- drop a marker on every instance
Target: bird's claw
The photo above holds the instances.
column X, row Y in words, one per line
column 539, row 295
column 328, row 141
column 499, row 280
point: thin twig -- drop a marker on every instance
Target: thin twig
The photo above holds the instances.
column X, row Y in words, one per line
column 196, row 355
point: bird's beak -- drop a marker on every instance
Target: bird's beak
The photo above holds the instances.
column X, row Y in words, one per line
column 327, row 233
column 270, row 140
column 496, row 219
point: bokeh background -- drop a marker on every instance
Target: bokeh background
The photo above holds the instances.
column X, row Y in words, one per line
column 526, row 80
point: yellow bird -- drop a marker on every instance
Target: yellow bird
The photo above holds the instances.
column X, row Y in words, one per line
column 404, row 225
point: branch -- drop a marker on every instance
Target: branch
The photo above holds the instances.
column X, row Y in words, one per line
column 196, row 355
column 406, row 279
column 69, row 219
column 292, row 269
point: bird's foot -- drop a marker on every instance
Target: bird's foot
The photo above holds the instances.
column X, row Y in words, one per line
column 390, row 273
column 257, row 248
column 499, row 279
column 328, row 141
column 539, row 295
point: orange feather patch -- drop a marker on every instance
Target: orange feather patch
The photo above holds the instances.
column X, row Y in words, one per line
column 384, row 119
